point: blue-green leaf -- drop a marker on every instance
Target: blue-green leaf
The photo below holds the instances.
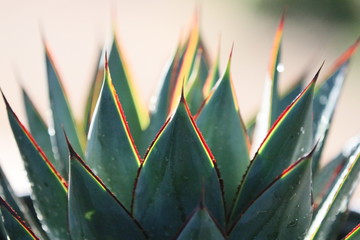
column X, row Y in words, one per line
column 289, row 138
column 15, row 227
column 176, row 168
column 283, row 210
column 62, row 118
column 110, row 152
column 94, row 212
column 49, row 189
column 223, row 129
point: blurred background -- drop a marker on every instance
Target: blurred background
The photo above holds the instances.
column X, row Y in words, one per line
column 149, row 32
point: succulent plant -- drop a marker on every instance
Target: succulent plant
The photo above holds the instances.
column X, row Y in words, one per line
column 184, row 169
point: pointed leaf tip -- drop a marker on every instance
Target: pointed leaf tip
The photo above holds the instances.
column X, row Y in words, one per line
column 72, row 152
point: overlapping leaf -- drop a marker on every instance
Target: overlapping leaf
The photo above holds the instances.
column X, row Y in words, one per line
column 213, row 76
column 94, row 212
column 94, row 92
column 176, row 168
column 194, row 92
column 15, row 227
column 283, row 210
column 160, row 103
column 110, row 150
column 354, row 234
column 326, row 176
column 187, row 64
column 62, row 118
column 224, row 132
column 326, row 98
column 48, row 188
column 39, row 130
column 136, row 115
column 289, row 138
column 201, row 226
column 270, row 103
column 335, row 205
column 8, row 194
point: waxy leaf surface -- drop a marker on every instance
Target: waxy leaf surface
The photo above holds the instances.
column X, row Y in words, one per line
column 62, row 118
column 15, row 227
column 136, row 115
column 201, row 226
column 354, row 234
column 176, row 170
column 324, row 179
column 48, row 188
column 268, row 112
column 39, row 130
column 194, row 87
column 283, row 210
column 289, row 139
column 160, row 103
column 326, row 99
column 110, row 152
column 335, row 204
column 94, row 212
column 222, row 127
column 94, row 92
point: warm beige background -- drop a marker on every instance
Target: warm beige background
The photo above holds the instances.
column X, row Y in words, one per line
column 149, row 31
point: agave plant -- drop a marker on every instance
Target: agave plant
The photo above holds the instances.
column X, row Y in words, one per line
column 183, row 169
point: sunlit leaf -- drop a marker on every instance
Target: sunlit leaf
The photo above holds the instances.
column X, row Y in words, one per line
column 224, row 132
column 289, row 138
column 110, row 150
column 326, row 99
column 270, row 103
column 160, row 102
column 48, row 188
column 94, row 212
column 136, row 115
column 39, row 130
column 331, row 212
column 62, row 118
column 176, row 168
column 94, row 92
column 324, row 179
column 283, row 210
column 15, row 227
column 354, row 234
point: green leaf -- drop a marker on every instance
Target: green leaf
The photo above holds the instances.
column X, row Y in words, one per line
column 49, row 189
column 19, row 206
column 94, row 212
column 160, row 103
column 326, row 99
column 136, row 114
column 111, row 153
column 175, row 170
column 15, row 227
column 222, row 127
column 194, row 92
column 94, row 92
column 289, row 138
column 7, row 193
column 39, row 130
column 201, row 226
column 270, row 103
column 214, row 75
column 291, row 94
column 324, row 179
column 335, row 205
column 283, row 210
column 354, row 234
column 62, row 118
